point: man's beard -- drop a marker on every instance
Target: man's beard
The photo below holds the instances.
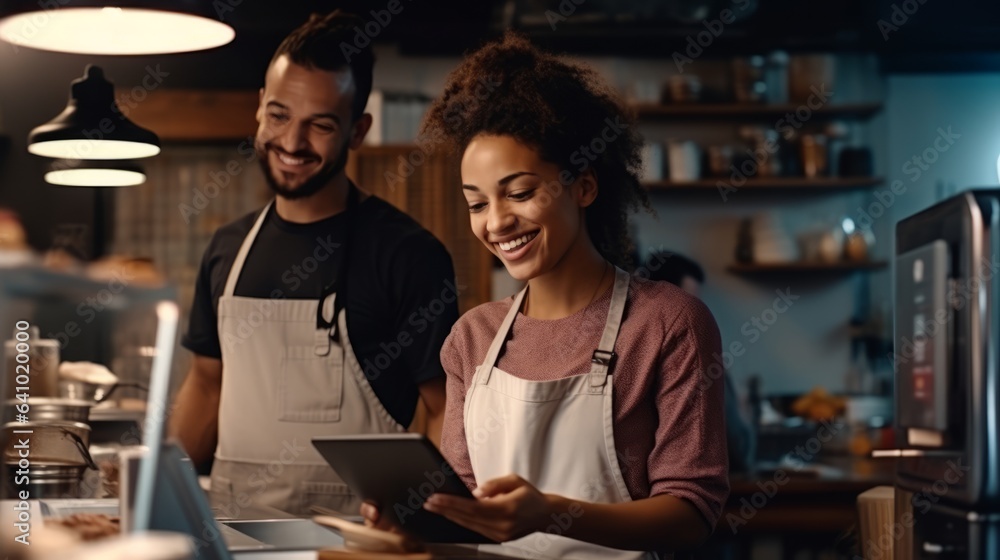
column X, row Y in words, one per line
column 310, row 186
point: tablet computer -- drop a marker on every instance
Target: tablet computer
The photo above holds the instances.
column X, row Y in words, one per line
column 399, row 472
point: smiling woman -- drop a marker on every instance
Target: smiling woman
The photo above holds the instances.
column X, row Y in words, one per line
column 607, row 445
column 569, row 119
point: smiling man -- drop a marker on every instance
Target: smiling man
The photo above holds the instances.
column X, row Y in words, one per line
column 302, row 323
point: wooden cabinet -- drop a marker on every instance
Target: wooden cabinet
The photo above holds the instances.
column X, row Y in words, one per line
column 428, row 188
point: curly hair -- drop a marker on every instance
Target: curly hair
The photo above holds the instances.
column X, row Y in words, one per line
column 565, row 112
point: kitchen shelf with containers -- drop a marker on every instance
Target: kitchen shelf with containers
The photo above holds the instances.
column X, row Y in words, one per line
column 791, row 133
column 750, row 111
column 838, row 247
column 789, row 136
column 773, row 184
column 804, row 267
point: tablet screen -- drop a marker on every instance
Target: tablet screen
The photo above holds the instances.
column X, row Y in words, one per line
column 399, row 472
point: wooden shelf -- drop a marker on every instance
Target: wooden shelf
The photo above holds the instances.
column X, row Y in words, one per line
column 750, row 111
column 799, row 185
column 805, row 267
column 183, row 115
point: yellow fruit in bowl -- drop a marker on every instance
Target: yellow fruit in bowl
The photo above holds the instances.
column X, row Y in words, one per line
column 818, row 404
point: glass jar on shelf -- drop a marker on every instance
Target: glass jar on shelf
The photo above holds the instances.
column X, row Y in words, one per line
column 858, row 241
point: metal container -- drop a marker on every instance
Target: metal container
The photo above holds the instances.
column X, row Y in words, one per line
column 82, row 390
column 64, row 443
column 59, row 456
column 94, row 393
column 47, row 481
column 50, row 410
column 39, row 367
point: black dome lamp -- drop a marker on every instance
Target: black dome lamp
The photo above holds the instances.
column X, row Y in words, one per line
column 92, row 126
column 109, row 27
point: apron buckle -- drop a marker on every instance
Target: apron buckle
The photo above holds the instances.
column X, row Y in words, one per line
column 323, row 342
column 603, row 358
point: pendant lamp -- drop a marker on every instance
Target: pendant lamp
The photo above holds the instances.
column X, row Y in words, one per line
column 124, row 27
column 92, row 126
column 76, row 173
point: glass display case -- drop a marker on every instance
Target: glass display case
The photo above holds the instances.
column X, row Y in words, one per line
column 78, row 355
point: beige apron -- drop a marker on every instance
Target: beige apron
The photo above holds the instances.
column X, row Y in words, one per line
column 557, row 435
column 285, row 381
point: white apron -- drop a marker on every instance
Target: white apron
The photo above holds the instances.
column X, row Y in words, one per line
column 284, row 381
column 557, row 435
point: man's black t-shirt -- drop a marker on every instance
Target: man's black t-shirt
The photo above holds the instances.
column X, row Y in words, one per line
column 402, row 300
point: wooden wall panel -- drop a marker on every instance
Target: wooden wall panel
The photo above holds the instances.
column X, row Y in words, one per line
column 180, row 115
column 430, row 192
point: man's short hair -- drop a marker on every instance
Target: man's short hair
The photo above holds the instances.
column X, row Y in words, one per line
column 326, row 42
column 671, row 267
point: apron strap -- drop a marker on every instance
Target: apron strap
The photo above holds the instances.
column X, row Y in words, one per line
column 602, row 357
column 241, row 256
column 605, row 353
column 334, row 293
column 491, row 355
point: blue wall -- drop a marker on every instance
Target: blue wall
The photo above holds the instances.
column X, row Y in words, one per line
column 808, row 345
column 917, row 106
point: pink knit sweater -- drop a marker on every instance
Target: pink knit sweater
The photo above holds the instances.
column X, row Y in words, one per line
column 669, row 423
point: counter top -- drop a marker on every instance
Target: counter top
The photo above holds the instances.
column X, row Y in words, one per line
column 815, row 498
column 831, row 474
column 252, row 537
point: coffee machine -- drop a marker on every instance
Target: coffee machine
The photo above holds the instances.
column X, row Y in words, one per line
column 947, row 339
